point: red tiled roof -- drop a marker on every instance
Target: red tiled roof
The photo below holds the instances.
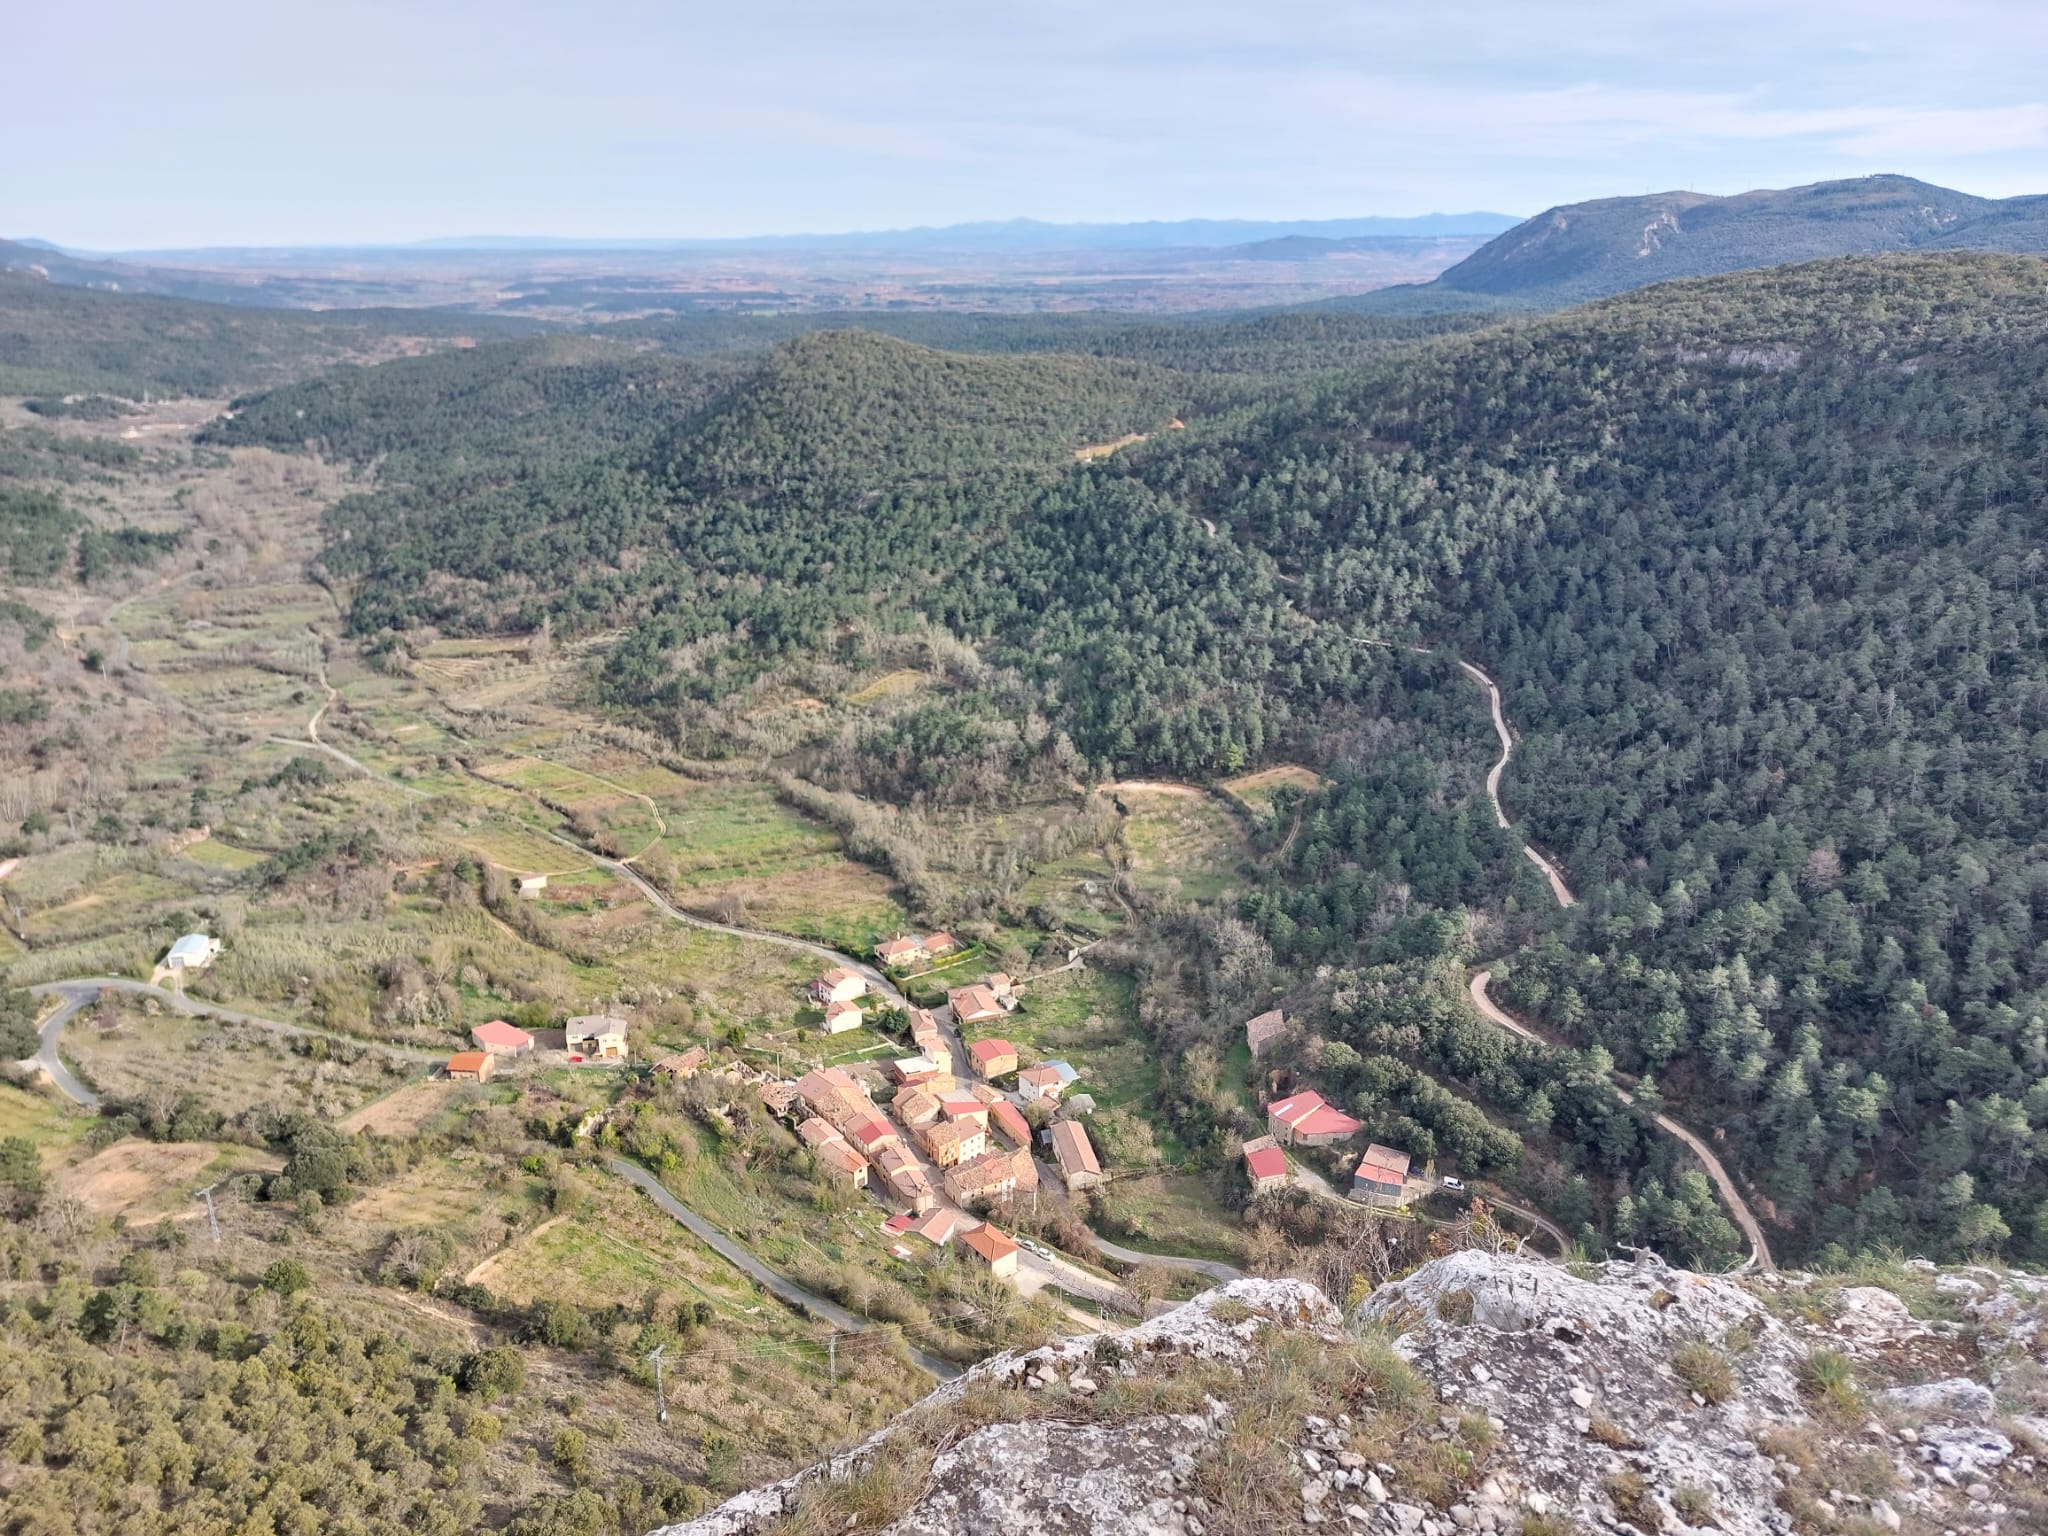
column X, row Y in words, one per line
column 990, row 1243
column 985, row 1051
column 971, row 1004
column 468, row 1061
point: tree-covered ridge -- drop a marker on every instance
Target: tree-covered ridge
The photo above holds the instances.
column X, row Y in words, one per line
column 1755, row 559
column 58, row 340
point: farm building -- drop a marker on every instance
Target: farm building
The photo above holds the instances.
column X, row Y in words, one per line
column 1265, row 1164
column 1265, row 1031
column 471, row 1066
column 992, row 1058
column 995, row 1249
column 1304, row 1120
column 839, row 986
column 530, row 886
column 1381, row 1177
column 683, row 1064
column 194, row 952
column 1077, row 1106
column 1075, row 1154
column 501, row 1039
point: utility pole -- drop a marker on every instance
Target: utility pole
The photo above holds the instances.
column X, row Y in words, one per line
column 212, row 1218
column 660, row 1399
column 832, row 1358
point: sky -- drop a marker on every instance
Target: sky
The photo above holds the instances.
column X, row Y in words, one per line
column 132, row 124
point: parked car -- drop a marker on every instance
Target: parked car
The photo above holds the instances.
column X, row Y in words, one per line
column 1451, row 1183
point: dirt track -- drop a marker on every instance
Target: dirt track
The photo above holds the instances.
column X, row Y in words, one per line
column 1745, row 1218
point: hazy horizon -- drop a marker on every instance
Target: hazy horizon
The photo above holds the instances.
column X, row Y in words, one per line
column 373, row 123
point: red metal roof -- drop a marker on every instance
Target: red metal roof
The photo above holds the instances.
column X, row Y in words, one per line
column 498, row 1032
column 1307, row 1115
column 1266, row 1162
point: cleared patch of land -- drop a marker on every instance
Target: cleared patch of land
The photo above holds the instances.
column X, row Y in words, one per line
column 1181, row 841
column 146, row 1179
column 1258, row 789
column 403, row 1112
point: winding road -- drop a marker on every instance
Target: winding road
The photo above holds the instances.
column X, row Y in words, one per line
column 1738, row 1207
column 81, row 990
column 769, row 1280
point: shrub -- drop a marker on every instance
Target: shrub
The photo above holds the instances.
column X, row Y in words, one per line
column 492, row 1373
column 286, row 1277
column 1705, row 1370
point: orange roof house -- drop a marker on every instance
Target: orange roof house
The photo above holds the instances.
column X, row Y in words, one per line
column 1025, row 1167
column 901, row 950
column 995, row 1249
column 940, row 943
column 992, row 1058
column 974, row 1005
column 1075, row 1154
column 1009, row 1119
column 1265, row 1031
column 840, row 1016
column 501, row 1038
column 471, row 1066
column 1304, row 1120
column 1265, row 1163
column 837, row 1158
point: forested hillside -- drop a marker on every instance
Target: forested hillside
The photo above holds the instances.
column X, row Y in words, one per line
column 58, row 340
column 1754, row 558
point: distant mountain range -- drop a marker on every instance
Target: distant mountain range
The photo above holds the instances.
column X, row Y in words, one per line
column 1009, row 235
column 1588, row 250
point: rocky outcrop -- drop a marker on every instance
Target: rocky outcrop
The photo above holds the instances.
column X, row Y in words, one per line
column 1484, row 1393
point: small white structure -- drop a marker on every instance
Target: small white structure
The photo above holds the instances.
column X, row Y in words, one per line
column 532, row 885
column 194, row 952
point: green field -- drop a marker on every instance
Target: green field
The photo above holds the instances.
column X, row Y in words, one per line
column 53, row 1128
column 1088, row 1018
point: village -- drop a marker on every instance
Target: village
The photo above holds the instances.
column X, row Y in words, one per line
column 964, row 1120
